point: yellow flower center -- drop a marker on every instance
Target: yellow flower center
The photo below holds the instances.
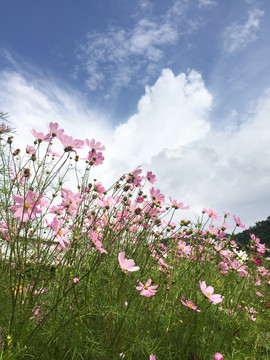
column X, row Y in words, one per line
column 146, row 287
column 190, row 305
column 60, row 232
column 207, row 294
column 26, row 206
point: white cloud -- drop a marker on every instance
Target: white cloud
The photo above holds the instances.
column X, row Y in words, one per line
column 170, row 114
column 227, row 170
column 238, row 36
column 33, row 102
column 170, row 134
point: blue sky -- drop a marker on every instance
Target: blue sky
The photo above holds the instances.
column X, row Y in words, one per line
column 180, row 87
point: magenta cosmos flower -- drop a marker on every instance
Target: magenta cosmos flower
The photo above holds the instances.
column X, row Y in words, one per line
column 209, row 293
column 147, row 290
column 190, row 304
column 27, row 207
column 218, row 356
column 126, row 264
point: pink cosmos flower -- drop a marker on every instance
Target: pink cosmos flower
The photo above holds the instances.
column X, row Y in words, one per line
column 162, row 262
column 59, row 232
column 75, row 281
column 126, row 265
column 136, row 172
column 238, row 222
column 147, row 290
column 16, row 176
column 134, row 177
column 54, row 153
column 177, row 205
column 225, row 226
column 109, row 202
column 218, row 356
column 208, row 292
column 95, row 145
column 156, row 196
column 211, row 214
column 4, row 129
column 30, row 150
column 99, row 188
column 95, row 158
column 55, row 132
column 70, row 144
column 36, row 313
column 140, row 199
column 26, row 208
column 150, row 177
column 190, row 305
column 152, row 357
column 98, row 244
column 254, row 238
column 40, row 136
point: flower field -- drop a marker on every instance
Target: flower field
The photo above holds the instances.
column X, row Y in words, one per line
column 94, row 273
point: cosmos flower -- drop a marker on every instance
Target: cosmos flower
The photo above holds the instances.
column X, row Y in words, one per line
column 40, row 136
column 27, row 207
column 126, row 264
column 70, row 144
column 208, row 292
column 95, row 145
column 190, row 304
column 147, row 290
column 218, row 356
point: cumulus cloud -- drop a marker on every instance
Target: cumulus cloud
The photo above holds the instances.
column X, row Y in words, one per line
column 238, row 36
column 169, row 134
column 172, row 113
column 227, row 170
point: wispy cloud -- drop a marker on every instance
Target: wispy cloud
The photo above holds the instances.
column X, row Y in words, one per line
column 206, row 2
column 118, row 56
column 238, row 36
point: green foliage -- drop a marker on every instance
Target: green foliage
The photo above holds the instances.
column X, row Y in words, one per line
column 261, row 229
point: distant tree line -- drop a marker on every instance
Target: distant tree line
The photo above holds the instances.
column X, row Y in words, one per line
column 261, row 229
